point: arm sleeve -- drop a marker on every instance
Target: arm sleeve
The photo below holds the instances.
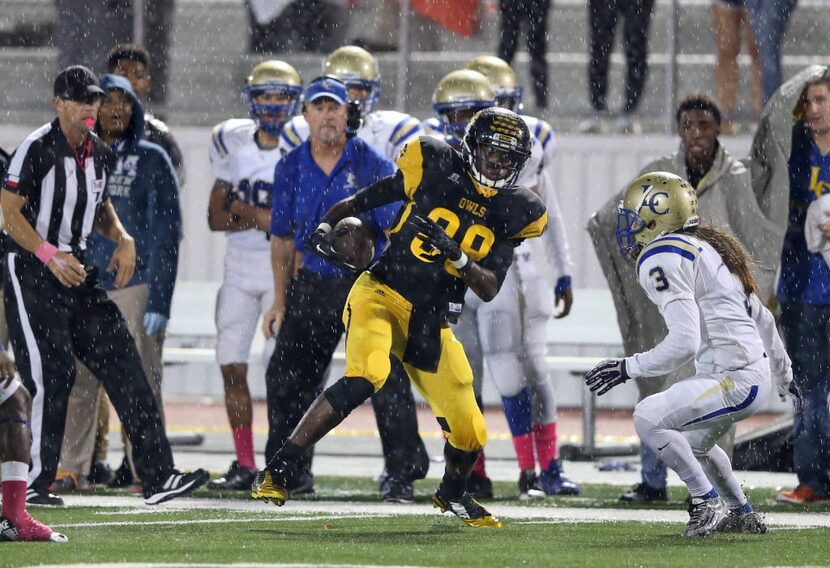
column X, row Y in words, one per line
column 220, row 157
column 20, row 177
column 384, row 191
column 282, row 201
column 165, row 236
column 780, row 363
column 668, row 280
column 500, row 258
column 555, row 239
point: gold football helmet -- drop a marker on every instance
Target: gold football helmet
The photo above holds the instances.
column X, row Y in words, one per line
column 502, row 79
column 279, row 77
column 654, row 204
column 358, row 69
column 462, row 90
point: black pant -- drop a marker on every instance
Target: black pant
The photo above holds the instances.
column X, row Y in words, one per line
column 602, row 16
column 50, row 325
column 310, row 332
column 536, row 14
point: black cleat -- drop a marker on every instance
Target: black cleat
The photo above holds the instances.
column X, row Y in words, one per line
column 42, row 497
column 301, row 484
column 396, row 489
column 643, row 493
column 123, row 476
column 480, row 486
column 238, row 478
column 529, row 487
column 100, row 473
column 176, row 485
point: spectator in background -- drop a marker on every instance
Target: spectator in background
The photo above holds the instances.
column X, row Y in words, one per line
column 535, row 12
column 804, row 291
column 144, row 192
column 725, row 200
column 300, row 25
column 133, row 62
column 603, row 16
column 769, row 19
column 729, row 20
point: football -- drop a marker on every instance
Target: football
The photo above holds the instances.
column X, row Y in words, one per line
column 354, row 241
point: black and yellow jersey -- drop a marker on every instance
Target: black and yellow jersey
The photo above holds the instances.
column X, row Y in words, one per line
column 487, row 225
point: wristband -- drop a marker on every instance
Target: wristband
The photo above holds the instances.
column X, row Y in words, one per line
column 462, row 261
column 46, row 251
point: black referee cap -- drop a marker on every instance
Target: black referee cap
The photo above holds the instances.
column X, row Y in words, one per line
column 78, row 83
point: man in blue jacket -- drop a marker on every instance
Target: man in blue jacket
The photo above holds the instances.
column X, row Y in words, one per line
column 145, row 193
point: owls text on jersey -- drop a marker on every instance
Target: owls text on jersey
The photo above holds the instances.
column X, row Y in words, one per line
column 237, row 159
column 680, row 267
column 387, row 131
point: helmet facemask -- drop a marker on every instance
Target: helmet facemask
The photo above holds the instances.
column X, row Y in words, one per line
column 270, row 118
column 494, row 160
column 368, row 104
column 629, row 225
column 456, row 116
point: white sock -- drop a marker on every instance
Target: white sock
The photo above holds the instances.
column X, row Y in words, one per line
column 14, row 471
column 718, row 469
column 674, row 451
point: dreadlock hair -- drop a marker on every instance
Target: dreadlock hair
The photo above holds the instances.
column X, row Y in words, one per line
column 736, row 259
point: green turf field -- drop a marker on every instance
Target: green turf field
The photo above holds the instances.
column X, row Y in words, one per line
column 267, row 534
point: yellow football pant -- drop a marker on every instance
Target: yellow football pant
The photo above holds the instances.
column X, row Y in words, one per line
column 377, row 319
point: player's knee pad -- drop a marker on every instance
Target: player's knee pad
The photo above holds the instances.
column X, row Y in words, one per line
column 470, row 436
column 506, row 372
column 348, row 393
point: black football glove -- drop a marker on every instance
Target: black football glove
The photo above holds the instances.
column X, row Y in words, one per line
column 434, row 235
column 321, row 243
column 607, row 374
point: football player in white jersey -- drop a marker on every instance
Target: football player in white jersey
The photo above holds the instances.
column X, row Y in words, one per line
column 387, row 131
column 700, row 279
column 244, row 153
column 509, row 334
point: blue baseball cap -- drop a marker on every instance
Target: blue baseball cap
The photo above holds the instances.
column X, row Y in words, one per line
column 327, row 86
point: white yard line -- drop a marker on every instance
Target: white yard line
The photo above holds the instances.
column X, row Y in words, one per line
column 295, row 511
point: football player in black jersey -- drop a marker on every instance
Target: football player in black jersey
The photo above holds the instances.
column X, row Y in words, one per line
column 462, row 217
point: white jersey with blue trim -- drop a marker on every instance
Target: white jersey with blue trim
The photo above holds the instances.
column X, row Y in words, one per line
column 432, row 127
column 237, row 159
column 387, row 131
column 684, row 275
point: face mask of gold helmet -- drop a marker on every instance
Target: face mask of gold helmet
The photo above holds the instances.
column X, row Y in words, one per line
column 654, row 204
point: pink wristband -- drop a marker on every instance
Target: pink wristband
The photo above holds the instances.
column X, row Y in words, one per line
column 46, row 251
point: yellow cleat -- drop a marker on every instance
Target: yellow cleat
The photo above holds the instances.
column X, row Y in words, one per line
column 467, row 509
column 264, row 489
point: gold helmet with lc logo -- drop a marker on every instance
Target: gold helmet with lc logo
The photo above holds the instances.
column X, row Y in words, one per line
column 654, row 204
column 359, row 70
column 502, row 79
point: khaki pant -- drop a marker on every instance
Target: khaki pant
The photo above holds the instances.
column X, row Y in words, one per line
column 87, row 394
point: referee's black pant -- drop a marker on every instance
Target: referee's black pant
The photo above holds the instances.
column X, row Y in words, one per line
column 50, row 325
column 513, row 13
column 296, row 373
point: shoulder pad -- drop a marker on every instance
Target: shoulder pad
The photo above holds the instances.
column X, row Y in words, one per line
column 229, row 135
column 535, row 220
column 431, row 126
column 674, row 245
column 156, row 123
column 294, row 132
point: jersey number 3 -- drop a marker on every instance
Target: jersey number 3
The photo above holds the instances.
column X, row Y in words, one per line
column 659, row 278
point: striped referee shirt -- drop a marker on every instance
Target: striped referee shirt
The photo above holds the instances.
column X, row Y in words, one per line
column 63, row 194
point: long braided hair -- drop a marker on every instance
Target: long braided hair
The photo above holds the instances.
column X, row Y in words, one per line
column 736, row 259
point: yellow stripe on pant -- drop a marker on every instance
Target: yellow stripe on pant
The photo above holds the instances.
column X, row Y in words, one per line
column 376, row 319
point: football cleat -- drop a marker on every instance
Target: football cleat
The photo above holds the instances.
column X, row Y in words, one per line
column 480, row 486
column 644, row 493
column 176, row 485
column 42, row 497
column 28, row 530
column 396, row 489
column 529, row 487
column 237, row 478
column 553, row 482
column 266, row 489
column 704, row 516
column 800, row 495
column 749, row 523
column 467, row 509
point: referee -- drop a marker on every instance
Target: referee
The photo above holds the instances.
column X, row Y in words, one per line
column 53, row 195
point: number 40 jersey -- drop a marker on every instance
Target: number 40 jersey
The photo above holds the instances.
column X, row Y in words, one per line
column 238, row 159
